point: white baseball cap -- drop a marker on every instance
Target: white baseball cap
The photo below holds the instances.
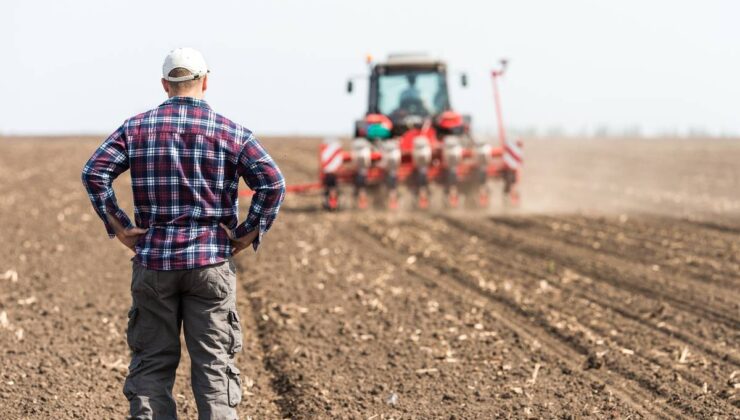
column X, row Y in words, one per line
column 187, row 58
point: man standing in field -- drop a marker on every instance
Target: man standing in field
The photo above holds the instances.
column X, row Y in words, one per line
column 185, row 162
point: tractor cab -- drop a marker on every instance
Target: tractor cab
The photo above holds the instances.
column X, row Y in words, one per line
column 407, row 90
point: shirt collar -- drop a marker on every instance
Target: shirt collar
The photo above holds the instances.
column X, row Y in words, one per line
column 186, row 100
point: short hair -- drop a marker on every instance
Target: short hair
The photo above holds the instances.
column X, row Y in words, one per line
column 184, row 85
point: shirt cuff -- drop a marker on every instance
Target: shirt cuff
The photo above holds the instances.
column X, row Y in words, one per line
column 122, row 218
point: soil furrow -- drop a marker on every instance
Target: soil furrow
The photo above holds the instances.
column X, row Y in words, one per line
column 723, row 228
column 656, row 314
column 671, row 243
column 529, row 324
column 591, row 238
column 656, row 230
column 287, row 395
column 693, row 298
column 624, row 334
column 600, row 293
column 611, row 298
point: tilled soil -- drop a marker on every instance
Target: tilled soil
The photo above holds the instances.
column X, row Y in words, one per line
column 592, row 309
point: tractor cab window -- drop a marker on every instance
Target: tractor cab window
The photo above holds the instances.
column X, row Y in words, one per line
column 412, row 93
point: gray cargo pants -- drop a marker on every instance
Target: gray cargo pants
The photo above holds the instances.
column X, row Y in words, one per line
column 203, row 301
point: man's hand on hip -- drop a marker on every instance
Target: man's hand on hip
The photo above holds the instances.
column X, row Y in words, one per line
column 127, row 237
column 238, row 245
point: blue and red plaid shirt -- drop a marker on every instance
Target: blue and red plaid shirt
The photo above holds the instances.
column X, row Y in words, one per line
column 185, row 162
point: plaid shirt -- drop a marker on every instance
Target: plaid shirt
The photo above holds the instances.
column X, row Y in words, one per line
column 185, row 163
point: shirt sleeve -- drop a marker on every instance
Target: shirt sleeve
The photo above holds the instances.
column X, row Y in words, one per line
column 263, row 176
column 108, row 161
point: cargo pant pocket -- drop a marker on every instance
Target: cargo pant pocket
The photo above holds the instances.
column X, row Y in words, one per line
column 131, row 335
column 235, row 332
column 233, row 386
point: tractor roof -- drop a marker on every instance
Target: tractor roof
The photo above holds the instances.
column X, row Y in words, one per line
column 412, row 60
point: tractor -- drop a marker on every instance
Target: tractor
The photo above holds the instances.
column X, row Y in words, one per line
column 411, row 139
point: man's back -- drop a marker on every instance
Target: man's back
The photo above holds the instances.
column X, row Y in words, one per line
column 185, row 162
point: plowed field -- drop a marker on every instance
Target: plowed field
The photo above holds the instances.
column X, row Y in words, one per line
column 614, row 292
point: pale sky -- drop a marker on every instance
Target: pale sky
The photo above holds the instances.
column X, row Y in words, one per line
column 280, row 66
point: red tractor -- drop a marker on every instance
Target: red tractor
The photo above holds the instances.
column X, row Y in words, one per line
column 411, row 137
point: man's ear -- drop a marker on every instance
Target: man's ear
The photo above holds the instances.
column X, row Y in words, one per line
column 166, row 85
column 205, row 83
